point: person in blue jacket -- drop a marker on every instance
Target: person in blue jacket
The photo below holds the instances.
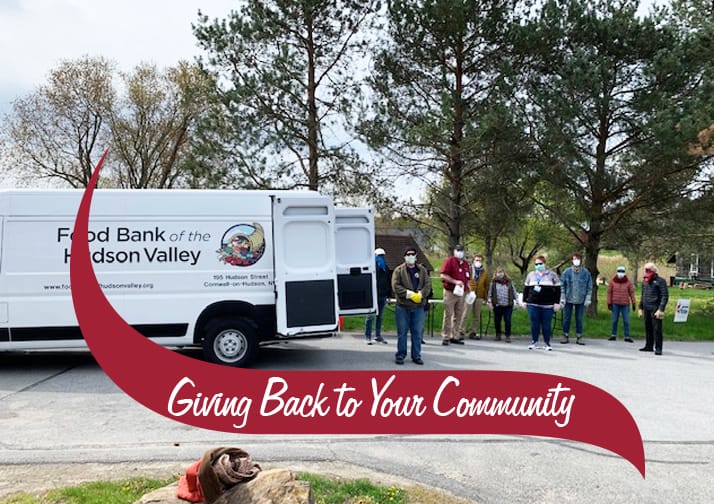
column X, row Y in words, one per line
column 384, row 288
column 576, row 289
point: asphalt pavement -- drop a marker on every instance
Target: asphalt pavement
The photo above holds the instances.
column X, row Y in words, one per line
column 59, row 407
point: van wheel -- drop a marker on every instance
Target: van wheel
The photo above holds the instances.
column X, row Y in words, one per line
column 230, row 341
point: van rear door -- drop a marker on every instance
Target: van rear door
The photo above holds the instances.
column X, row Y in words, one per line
column 354, row 249
column 4, row 331
column 305, row 274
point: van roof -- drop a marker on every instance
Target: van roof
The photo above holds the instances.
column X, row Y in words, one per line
column 136, row 202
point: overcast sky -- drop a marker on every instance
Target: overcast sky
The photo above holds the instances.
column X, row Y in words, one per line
column 35, row 35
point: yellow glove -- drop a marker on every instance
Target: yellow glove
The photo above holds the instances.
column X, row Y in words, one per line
column 414, row 296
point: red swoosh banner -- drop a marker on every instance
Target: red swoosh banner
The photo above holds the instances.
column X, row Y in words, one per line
column 338, row 402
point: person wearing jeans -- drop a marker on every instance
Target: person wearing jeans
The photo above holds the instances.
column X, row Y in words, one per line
column 409, row 320
column 575, row 294
column 411, row 286
column 620, row 296
column 384, row 279
column 541, row 293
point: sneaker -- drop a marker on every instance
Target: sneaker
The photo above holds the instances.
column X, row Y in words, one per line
column 418, row 361
column 612, row 338
column 381, row 340
column 579, row 341
column 658, row 352
column 445, row 342
column 508, row 339
column 547, row 348
column 565, row 340
column 629, row 340
column 532, row 346
column 399, row 360
column 456, row 341
column 369, row 341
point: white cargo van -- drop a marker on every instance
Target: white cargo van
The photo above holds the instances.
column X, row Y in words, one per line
column 224, row 270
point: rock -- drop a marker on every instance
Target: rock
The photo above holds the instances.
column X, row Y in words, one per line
column 163, row 495
column 274, row 486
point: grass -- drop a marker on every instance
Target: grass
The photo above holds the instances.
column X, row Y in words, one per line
column 325, row 491
column 698, row 327
column 96, row 492
column 361, row 491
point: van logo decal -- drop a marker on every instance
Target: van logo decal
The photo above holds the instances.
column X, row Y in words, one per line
column 242, row 245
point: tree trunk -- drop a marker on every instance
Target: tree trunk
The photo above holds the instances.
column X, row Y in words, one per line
column 592, row 252
column 455, row 160
column 312, row 119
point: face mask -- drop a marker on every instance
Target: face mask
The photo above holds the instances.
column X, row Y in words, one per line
column 477, row 264
column 540, row 267
column 620, row 275
column 459, row 254
column 576, row 262
column 410, row 259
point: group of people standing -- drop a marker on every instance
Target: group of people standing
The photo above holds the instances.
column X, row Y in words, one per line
column 468, row 286
column 545, row 293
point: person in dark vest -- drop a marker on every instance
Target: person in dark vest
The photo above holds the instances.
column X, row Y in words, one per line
column 501, row 295
column 653, row 301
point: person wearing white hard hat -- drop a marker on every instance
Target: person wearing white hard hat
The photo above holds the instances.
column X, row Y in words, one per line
column 383, row 290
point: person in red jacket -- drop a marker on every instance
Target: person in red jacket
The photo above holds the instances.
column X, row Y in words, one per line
column 455, row 275
column 620, row 296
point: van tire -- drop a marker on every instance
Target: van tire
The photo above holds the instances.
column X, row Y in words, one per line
column 231, row 342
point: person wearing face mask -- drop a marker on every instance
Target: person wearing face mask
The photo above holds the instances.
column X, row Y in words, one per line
column 653, row 301
column 575, row 294
column 501, row 296
column 541, row 293
column 411, row 286
column 478, row 283
column 384, row 279
column 620, row 296
column 455, row 275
